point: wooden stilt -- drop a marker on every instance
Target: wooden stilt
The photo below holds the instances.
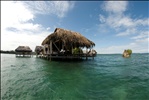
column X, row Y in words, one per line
column 50, row 49
column 92, row 54
column 86, row 53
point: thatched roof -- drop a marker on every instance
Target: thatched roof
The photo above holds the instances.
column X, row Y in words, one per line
column 38, row 48
column 68, row 37
column 23, row 49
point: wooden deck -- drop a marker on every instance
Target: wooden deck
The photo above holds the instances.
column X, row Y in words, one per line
column 67, row 56
column 23, row 54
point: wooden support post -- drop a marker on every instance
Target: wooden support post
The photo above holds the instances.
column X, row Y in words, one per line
column 86, row 53
column 72, row 50
column 50, row 57
column 92, row 54
column 56, row 46
column 50, row 49
column 62, row 46
column 44, row 51
column 86, row 56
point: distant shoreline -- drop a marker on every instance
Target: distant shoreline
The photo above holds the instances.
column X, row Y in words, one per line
column 13, row 52
column 97, row 54
column 10, row 52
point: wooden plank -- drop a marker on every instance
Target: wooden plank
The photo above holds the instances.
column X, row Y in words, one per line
column 50, row 47
column 56, row 46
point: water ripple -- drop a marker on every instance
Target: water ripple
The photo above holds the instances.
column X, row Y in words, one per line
column 107, row 77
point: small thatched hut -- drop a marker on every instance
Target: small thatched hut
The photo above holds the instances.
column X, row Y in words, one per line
column 65, row 40
column 39, row 50
column 23, row 51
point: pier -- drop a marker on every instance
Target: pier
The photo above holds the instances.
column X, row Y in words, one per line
column 66, row 57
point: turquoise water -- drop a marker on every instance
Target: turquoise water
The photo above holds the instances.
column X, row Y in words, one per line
column 107, row 77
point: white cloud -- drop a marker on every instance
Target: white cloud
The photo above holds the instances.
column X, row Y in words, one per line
column 115, row 6
column 125, row 21
column 119, row 20
column 13, row 13
column 142, row 35
column 17, row 21
column 11, row 40
column 59, row 8
column 143, row 22
column 101, row 18
column 124, row 25
column 140, row 46
column 127, row 32
column 17, row 28
column 48, row 28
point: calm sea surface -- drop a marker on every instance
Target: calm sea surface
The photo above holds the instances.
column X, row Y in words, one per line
column 107, row 77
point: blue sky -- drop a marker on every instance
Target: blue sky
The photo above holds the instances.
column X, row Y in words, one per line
column 112, row 25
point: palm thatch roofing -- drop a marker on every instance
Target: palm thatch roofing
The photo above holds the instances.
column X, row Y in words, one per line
column 23, row 49
column 38, row 48
column 68, row 38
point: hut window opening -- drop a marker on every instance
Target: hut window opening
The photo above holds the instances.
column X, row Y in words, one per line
column 46, row 50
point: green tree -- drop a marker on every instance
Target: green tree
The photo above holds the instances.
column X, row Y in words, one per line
column 129, row 51
column 77, row 51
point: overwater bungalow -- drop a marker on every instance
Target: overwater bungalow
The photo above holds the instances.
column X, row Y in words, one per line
column 39, row 51
column 67, row 44
column 23, row 51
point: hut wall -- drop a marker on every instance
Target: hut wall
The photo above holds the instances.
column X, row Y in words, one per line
column 46, row 49
column 50, row 47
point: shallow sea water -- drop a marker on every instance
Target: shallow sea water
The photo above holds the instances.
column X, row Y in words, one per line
column 107, row 77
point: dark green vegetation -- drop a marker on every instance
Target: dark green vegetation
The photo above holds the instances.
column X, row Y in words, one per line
column 129, row 51
column 77, row 51
column 8, row 52
column 11, row 52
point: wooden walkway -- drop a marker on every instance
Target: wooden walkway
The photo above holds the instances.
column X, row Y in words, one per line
column 24, row 55
column 67, row 56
